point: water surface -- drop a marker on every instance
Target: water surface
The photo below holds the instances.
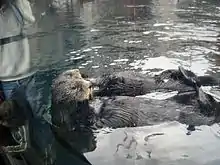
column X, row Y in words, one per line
column 102, row 35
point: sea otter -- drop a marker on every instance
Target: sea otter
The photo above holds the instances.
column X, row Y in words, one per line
column 72, row 108
column 71, row 86
column 130, row 83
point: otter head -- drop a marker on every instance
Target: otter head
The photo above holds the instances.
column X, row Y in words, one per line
column 70, row 87
column 70, row 100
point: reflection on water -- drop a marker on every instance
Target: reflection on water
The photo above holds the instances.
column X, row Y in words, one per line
column 145, row 35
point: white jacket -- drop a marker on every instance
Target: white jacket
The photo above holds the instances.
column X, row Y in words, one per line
column 15, row 62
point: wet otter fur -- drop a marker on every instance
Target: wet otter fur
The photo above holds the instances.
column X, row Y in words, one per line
column 70, row 106
column 71, row 113
column 117, row 111
column 73, row 108
column 130, row 83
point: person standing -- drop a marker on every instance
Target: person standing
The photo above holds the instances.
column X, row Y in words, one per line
column 16, row 72
column 15, row 61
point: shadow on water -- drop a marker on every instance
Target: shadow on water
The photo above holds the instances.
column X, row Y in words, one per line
column 148, row 36
column 71, row 146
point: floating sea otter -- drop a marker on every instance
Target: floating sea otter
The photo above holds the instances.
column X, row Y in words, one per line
column 71, row 94
column 71, row 86
column 71, row 107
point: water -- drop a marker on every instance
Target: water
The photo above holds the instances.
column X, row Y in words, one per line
column 144, row 35
column 101, row 36
column 165, row 144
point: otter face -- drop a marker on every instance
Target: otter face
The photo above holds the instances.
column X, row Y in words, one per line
column 70, row 87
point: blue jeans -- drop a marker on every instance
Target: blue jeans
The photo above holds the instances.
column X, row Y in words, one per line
column 27, row 88
column 9, row 86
